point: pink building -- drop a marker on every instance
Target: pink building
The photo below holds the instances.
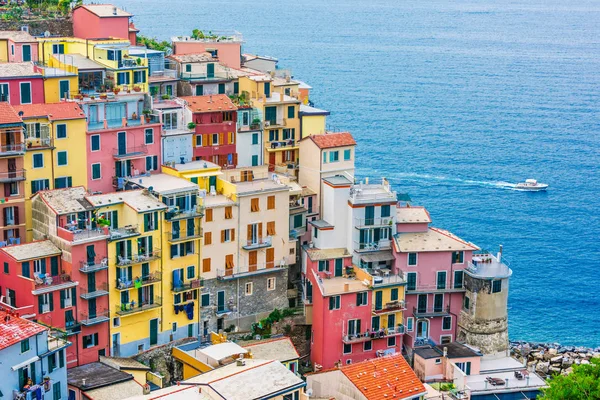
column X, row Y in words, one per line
column 226, row 48
column 100, row 21
column 435, row 363
column 19, row 46
column 21, row 83
column 121, row 142
column 433, row 262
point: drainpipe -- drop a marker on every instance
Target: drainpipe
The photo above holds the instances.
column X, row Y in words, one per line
column 238, row 264
column 199, row 269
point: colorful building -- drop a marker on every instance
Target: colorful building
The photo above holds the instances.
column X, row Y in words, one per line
column 21, row 83
column 225, row 46
column 313, row 121
column 100, row 21
column 177, row 135
column 202, row 74
column 18, row 47
column 249, row 136
column 12, row 176
column 33, row 360
column 215, row 119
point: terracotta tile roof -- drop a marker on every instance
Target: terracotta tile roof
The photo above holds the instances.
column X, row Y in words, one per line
column 330, row 140
column 17, row 36
column 8, row 115
column 384, row 378
column 14, row 329
column 54, row 112
column 209, row 103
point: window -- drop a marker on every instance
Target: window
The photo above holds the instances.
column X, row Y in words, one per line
column 391, row 342
column 412, row 259
column 96, row 171
column 394, row 294
column 56, row 391
column 25, row 93
column 375, row 323
column 458, row 257
column 25, row 345
column 139, row 76
column 58, row 48
column 274, row 135
column 191, row 272
column 385, row 211
column 151, row 163
column 441, row 280
column 174, row 327
column 323, row 265
column 254, row 205
column 347, row 348
column 248, row 290
column 335, row 302
column 95, row 142
column 209, row 215
column 324, row 157
column 496, row 286
column 199, row 140
column 90, row 341
column 315, row 232
column 228, row 212
column 39, row 184
column 199, row 89
column 291, row 112
column 205, row 300
column 116, row 322
column 466, row 303
column 254, row 161
column 410, row 324
column 215, row 139
column 123, row 78
column 438, row 361
column 411, row 281
column 267, row 89
column 255, row 138
column 206, row 265
column 271, row 228
column 458, row 279
column 362, row 299
column 354, row 327
column 445, row 339
column 38, row 160
column 4, row 94
column 221, row 88
column 61, row 131
column 334, row 156
column 368, row 346
column 271, row 283
column 188, row 67
column 447, row 323
column 63, row 182
column 149, row 136
column 270, row 202
column 61, row 158
column 347, row 154
column 464, row 367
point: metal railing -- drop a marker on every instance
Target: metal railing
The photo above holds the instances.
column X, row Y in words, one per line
column 123, row 232
column 12, row 176
column 373, row 222
column 194, row 284
column 282, row 144
column 431, row 311
column 434, row 287
column 130, row 151
column 94, row 318
column 171, row 214
column 383, row 244
column 36, row 143
column 42, row 280
column 257, row 243
column 101, row 289
column 12, row 149
column 183, row 234
column 138, row 281
column 391, row 306
column 138, row 258
column 97, row 264
column 134, row 306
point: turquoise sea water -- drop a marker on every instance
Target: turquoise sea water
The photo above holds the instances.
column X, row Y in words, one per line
column 448, row 99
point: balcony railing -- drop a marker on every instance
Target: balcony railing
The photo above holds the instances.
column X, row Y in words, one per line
column 12, row 149
column 183, row 286
column 72, row 327
column 124, row 232
column 165, row 73
column 12, row 176
column 113, row 123
column 392, row 306
column 130, row 151
column 431, row 311
column 135, row 307
column 274, row 123
column 47, row 281
column 373, row 334
column 175, row 213
column 75, row 234
column 90, row 266
column 138, row 281
column 433, row 287
column 257, row 243
column 39, row 143
column 383, row 244
column 98, row 317
column 87, row 293
column 373, row 222
column 217, row 76
column 138, row 258
column 183, row 234
column 282, row 144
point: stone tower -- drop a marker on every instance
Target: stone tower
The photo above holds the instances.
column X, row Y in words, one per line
column 483, row 320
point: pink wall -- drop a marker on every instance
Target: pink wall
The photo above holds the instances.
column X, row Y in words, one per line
column 87, row 25
column 229, row 54
column 105, row 156
column 17, row 57
column 429, row 263
column 37, row 89
column 403, row 228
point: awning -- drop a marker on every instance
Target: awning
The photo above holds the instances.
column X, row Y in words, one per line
column 377, row 256
column 24, row 363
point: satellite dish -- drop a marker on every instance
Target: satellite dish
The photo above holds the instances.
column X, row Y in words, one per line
column 47, row 34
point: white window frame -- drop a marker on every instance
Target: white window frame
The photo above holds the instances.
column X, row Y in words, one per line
column 438, row 361
column 67, row 158
column 353, row 321
column 249, row 285
column 445, row 336
column 271, row 287
column 33, row 160
column 30, row 92
column 146, row 137
column 99, row 143
column 212, row 139
column 46, row 302
column 445, row 282
column 408, row 259
column 227, row 235
column 7, row 90
column 449, row 329
column 116, row 322
column 410, row 324
column 56, row 132
column 92, row 172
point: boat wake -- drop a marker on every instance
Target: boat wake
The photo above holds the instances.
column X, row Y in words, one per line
column 447, row 179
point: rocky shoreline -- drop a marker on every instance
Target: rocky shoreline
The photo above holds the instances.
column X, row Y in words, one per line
column 551, row 358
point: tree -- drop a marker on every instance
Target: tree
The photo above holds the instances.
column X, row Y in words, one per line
column 154, row 44
column 581, row 384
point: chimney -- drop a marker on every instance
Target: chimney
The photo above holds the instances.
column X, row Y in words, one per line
column 500, row 254
column 367, row 180
column 346, row 287
column 445, row 352
column 114, row 10
column 83, row 382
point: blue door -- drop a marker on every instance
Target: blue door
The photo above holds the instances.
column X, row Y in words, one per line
column 26, row 53
column 64, row 89
column 122, row 142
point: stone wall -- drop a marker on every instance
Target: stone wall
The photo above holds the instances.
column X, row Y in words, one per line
column 160, row 360
column 56, row 27
column 552, row 358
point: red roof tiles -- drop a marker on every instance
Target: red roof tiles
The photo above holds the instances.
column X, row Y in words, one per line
column 209, row 103
column 8, row 115
column 14, row 329
column 330, row 140
column 382, row 378
column 54, row 112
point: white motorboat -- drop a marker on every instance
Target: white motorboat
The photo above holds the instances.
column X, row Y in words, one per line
column 531, row 185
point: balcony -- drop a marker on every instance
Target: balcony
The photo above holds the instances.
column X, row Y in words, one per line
column 174, row 213
column 383, row 244
column 204, row 77
column 12, row 176
column 39, row 143
column 275, row 124
column 12, row 150
column 124, row 232
column 390, row 307
column 90, row 266
column 45, row 283
column 422, row 312
column 183, row 235
column 487, row 266
column 72, row 327
column 130, row 152
column 183, row 286
column 360, row 223
column 138, row 258
column 75, row 234
column 138, row 281
column 434, row 288
column 258, row 243
column 88, row 319
column 101, row 289
column 113, row 123
column 386, row 332
column 135, row 307
column 282, row 145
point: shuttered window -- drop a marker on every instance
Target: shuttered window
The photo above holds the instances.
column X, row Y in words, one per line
column 207, row 238
column 206, row 265
column 270, row 202
column 271, row 228
column 254, row 205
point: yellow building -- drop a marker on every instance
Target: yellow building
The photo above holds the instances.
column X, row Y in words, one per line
column 55, row 143
column 280, row 107
column 135, row 269
column 181, row 239
column 313, row 121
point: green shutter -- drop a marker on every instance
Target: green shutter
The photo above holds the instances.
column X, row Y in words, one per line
column 51, row 297
column 146, row 222
column 43, row 262
column 62, row 299
column 129, row 252
column 25, row 269
column 54, row 266
column 73, row 294
column 40, row 305
column 32, row 369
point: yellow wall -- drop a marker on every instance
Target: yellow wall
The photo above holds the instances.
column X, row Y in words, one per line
column 313, row 125
column 3, row 50
column 52, row 86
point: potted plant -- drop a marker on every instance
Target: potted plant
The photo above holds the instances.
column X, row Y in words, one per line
column 255, row 123
column 191, row 125
column 138, row 61
column 165, row 97
column 146, row 113
column 93, row 97
column 103, row 95
column 136, row 88
column 116, row 90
